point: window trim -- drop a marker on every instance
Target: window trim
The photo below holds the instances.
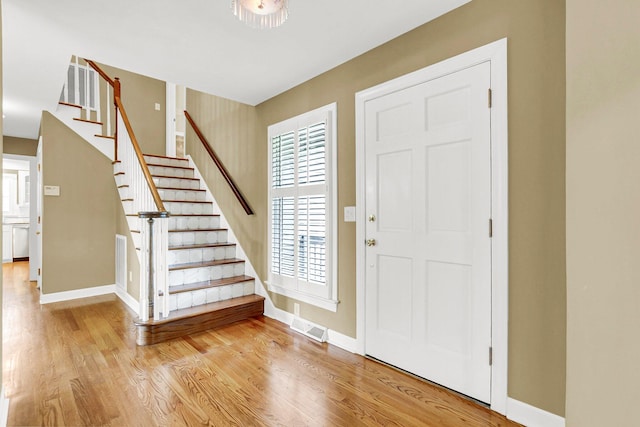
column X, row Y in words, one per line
column 328, row 113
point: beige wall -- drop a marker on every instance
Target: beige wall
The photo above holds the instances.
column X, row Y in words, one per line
column 20, row 146
column 79, row 226
column 537, row 296
column 139, row 96
column 230, row 128
column 603, row 213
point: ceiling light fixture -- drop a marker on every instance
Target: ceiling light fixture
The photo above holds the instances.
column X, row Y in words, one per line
column 261, row 13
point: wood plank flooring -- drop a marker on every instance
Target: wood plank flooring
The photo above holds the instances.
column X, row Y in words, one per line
column 76, row 363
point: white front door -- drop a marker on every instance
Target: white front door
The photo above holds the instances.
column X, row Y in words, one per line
column 428, row 206
column 39, row 215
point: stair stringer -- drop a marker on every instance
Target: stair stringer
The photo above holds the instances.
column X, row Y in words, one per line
column 125, row 194
column 87, row 130
column 270, row 309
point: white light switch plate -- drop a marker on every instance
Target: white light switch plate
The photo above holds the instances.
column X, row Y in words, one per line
column 51, row 190
column 349, row 214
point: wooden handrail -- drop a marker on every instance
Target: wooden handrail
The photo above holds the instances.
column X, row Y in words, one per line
column 220, row 166
column 115, row 83
column 140, row 156
column 99, row 70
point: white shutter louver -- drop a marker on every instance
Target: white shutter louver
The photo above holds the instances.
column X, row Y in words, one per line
column 300, row 205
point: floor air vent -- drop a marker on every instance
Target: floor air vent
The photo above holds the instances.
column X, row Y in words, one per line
column 309, row 329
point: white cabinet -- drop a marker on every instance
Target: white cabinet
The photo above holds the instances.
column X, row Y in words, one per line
column 21, row 241
column 7, row 243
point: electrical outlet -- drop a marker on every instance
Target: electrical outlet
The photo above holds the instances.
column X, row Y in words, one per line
column 296, row 309
column 157, row 106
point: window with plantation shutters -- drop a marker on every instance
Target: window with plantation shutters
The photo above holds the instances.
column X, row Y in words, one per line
column 302, row 207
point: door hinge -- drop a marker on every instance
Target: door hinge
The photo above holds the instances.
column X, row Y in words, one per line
column 38, row 219
column 490, row 227
column 490, row 356
column 38, row 167
column 39, row 272
column 490, row 97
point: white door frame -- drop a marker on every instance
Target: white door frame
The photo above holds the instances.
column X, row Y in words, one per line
column 170, row 109
column 496, row 54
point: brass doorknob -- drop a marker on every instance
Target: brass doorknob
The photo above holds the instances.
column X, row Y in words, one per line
column 371, row 242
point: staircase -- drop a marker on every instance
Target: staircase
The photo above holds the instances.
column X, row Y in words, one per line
column 207, row 284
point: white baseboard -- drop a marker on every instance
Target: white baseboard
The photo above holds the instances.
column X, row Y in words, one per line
column 4, row 409
column 130, row 301
column 334, row 338
column 78, row 293
column 531, row 416
column 343, row 341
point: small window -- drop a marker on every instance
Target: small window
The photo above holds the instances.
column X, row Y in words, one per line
column 81, row 87
column 302, row 208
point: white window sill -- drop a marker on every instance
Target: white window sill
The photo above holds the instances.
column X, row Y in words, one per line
column 324, row 303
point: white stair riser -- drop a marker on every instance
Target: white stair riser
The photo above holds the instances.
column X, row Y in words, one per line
column 133, row 222
column 168, row 162
column 183, row 238
column 127, row 205
column 202, row 274
column 184, row 256
column 188, row 208
column 124, row 193
column 206, row 296
column 120, row 179
column 182, row 195
column 169, row 171
column 193, row 222
column 192, row 184
column 135, row 237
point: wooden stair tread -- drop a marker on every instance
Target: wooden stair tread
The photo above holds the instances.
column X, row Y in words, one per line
column 175, row 177
column 166, row 157
column 70, row 105
column 213, row 263
column 209, row 215
column 199, row 229
column 193, row 215
column 204, row 308
column 88, row 121
column 202, row 246
column 187, row 201
column 105, row 136
column 180, row 189
column 209, row 284
column 197, row 319
column 170, row 166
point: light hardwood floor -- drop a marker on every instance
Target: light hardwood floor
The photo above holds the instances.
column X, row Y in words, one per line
column 76, row 363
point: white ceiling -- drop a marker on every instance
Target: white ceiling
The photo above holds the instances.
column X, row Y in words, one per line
column 196, row 43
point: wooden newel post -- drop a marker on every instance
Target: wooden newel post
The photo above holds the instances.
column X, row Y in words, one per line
column 151, row 286
column 116, row 88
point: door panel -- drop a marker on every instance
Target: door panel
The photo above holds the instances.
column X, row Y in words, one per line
column 428, row 200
